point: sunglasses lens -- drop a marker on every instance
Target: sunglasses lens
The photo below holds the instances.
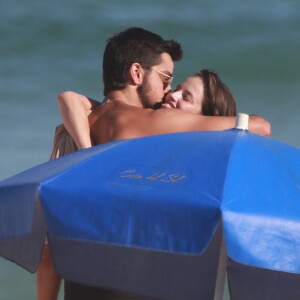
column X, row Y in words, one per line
column 166, row 79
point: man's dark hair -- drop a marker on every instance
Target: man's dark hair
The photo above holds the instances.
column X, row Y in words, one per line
column 134, row 45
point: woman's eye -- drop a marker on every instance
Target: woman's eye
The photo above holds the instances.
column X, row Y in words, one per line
column 186, row 97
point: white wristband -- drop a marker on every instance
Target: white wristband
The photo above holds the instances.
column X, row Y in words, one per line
column 242, row 121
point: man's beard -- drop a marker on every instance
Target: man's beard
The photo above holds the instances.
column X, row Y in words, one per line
column 158, row 105
column 144, row 92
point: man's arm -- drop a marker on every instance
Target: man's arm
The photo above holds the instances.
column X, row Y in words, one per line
column 259, row 125
column 143, row 122
column 177, row 120
column 74, row 112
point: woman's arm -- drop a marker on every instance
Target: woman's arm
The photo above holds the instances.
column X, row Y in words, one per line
column 74, row 110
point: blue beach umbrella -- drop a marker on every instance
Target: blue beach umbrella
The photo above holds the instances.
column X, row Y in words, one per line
column 147, row 215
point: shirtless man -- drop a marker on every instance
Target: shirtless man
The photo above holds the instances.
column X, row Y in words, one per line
column 137, row 73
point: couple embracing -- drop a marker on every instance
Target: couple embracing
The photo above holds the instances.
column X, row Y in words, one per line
column 138, row 68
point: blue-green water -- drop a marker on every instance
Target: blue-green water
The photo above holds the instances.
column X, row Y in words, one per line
column 50, row 46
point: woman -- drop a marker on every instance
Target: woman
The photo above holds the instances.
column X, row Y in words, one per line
column 202, row 93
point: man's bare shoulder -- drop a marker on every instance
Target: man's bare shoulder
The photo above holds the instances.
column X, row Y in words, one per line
column 114, row 121
column 117, row 112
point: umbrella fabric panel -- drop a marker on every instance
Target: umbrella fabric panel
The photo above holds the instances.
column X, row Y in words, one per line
column 146, row 193
column 18, row 193
column 261, row 206
column 17, row 206
column 22, row 224
column 26, row 249
column 158, row 274
column 252, row 283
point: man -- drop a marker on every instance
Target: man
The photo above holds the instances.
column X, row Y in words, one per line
column 137, row 73
column 123, row 49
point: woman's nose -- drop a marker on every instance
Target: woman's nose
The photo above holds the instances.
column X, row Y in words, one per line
column 175, row 96
column 172, row 98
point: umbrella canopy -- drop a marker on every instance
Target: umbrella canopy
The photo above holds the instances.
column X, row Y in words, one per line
column 159, row 198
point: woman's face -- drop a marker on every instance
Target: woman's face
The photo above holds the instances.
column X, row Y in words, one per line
column 187, row 96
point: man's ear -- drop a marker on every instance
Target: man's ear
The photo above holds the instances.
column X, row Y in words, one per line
column 136, row 72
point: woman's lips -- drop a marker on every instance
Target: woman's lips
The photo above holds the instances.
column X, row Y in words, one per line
column 168, row 105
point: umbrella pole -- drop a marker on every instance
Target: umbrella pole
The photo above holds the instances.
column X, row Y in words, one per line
column 221, row 274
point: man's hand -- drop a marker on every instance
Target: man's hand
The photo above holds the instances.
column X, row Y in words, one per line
column 259, row 125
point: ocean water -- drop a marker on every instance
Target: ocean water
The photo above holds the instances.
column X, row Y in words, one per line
column 50, row 46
